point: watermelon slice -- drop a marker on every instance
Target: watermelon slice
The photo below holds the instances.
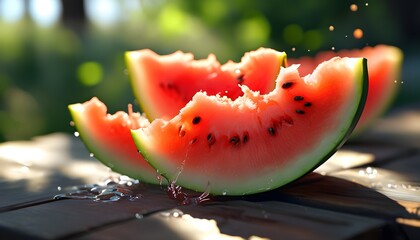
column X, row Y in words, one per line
column 258, row 142
column 164, row 84
column 109, row 139
column 384, row 66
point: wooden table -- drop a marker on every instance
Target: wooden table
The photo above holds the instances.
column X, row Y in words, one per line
column 370, row 189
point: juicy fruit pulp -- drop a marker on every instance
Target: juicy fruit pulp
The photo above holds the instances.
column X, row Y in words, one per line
column 163, row 84
column 258, row 142
column 109, row 139
column 384, row 66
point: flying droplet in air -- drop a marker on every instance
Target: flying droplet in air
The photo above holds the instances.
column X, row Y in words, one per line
column 353, row 7
column 358, row 33
column 331, row 28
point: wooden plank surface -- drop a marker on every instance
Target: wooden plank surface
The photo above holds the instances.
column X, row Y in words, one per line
column 370, row 189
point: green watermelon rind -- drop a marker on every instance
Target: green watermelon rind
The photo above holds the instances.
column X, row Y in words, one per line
column 363, row 89
column 292, row 173
column 397, row 56
column 142, row 101
column 101, row 153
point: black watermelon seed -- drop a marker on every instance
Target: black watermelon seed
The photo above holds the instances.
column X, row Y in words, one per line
column 194, row 140
column 234, row 140
column 307, row 104
column 196, row 120
column 240, row 78
column 287, row 85
column 298, row 98
column 298, row 111
column 245, row 139
column 271, row 131
column 211, row 139
column 181, row 132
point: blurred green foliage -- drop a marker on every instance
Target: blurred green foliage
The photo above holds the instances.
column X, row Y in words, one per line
column 43, row 69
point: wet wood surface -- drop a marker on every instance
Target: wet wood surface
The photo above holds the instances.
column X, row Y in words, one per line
column 370, row 189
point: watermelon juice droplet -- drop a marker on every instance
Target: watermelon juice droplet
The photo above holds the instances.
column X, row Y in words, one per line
column 76, row 134
column 358, row 33
column 331, row 28
column 353, row 7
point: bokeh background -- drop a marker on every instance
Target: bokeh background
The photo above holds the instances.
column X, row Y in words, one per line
column 57, row 52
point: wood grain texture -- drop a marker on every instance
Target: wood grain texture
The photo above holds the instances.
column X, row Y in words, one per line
column 369, row 190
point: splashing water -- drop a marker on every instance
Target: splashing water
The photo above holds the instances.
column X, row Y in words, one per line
column 111, row 190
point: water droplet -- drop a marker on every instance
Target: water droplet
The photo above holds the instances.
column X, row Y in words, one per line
column 72, row 123
column 331, row 28
column 293, row 49
column 172, row 213
column 333, row 48
column 135, row 197
column 59, row 188
column 111, row 190
column 402, row 82
column 395, row 81
column 76, row 134
column 358, row 33
column 376, row 185
column 91, row 155
column 224, row 193
column 139, row 216
column 309, row 50
column 366, row 4
column 353, row 7
column 346, row 36
column 368, row 172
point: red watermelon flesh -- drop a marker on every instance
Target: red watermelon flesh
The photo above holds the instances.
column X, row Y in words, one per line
column 163, row 84
column 384, row 67
column 109, row 139
column 258, row 142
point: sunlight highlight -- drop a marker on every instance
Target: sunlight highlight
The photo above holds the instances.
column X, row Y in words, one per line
column 45, row 12
column 12, row 10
